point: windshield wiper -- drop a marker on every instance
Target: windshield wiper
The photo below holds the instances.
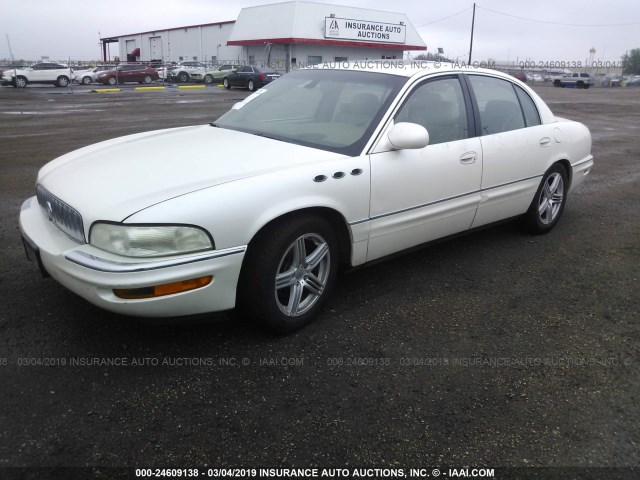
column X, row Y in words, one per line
column 264, row 135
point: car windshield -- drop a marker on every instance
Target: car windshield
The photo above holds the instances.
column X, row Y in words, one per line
column 333, row 110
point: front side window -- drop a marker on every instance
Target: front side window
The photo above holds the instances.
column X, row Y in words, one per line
column 326, row 109
column 438, row 106
column 498, row 104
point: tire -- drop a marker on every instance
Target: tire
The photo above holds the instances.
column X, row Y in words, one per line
column 556, row 83
column 183, row 77
column 251, row 86
column 148, row 79
column 288, row 272
column 62, row 81
column 20, row 82
column 208, row 79
column 580, row 85
column 586, row 86
column 112, row 81
column 549, row 201
column 226, row 84
column 86, row 81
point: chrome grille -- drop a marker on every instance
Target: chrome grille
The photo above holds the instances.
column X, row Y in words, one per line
column 63, row 216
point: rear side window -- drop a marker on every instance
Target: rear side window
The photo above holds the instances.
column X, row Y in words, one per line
column 531, row 115
column 498, row 104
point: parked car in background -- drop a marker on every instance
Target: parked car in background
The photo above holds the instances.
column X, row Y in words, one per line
column 183, row 71
column 575, row 79
column 345, row 166
column 632, row 81
column 163, row 70
column 214, row 75
column 6, row 68
column 519, row 74
column 128, row 73
column 87, row 77
column 250, row 77
column 47, row 72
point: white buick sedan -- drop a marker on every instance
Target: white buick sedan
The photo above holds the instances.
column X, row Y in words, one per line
column 339, row 167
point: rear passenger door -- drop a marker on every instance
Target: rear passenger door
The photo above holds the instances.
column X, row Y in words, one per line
column 242, row 76
column 515, row 146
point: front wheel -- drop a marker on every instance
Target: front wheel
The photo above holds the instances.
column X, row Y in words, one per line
column 251, row 86
column 183, row 77
column 20, row 82
column 112, row 81
column 226, row 84
column 208, row 79
column 288, row 273
column 548, row 204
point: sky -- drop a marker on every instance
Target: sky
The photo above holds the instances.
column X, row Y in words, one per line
column 515, row 30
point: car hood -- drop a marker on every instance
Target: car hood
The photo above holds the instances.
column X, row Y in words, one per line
column 114, row 179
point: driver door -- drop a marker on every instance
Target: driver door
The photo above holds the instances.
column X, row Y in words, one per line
column 424, row 194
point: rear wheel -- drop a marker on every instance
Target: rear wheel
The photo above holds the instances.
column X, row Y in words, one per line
column 208, row 79
column 548, row 204
column 288, row 272
column 147, row 79
column 580, row 85
column 62, row 81
column 86, row 81
column 556, row 83
column 251, row 86
column 183, row 77
column 226, row 83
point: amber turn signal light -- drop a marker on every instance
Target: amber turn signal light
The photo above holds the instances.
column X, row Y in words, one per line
column 162, row 290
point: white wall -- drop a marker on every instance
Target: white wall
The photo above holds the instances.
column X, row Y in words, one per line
column 201, row 42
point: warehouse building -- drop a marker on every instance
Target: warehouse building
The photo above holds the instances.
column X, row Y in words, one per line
column 285, row 35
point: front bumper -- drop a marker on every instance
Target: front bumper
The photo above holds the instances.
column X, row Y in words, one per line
column 94, row 274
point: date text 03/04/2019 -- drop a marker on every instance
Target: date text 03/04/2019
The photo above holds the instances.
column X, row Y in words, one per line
column 547, row 64
column 314, row 472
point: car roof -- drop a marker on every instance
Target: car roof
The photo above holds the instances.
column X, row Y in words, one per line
column 419, row 69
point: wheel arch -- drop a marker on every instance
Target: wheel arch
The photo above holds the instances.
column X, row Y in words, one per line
column 335, row 218
column 567, row 168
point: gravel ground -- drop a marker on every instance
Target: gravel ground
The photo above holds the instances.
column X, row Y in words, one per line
column 496, row 349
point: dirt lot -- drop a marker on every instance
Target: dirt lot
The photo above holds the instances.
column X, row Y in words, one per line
column 496, row 349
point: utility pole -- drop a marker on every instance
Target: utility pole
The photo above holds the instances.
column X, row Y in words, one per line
column 10, row 52
column 473, row 21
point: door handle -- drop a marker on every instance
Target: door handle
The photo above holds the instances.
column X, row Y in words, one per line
column 468, row 158
column 545, row 141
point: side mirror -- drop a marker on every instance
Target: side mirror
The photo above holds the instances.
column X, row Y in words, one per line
column 406, row 135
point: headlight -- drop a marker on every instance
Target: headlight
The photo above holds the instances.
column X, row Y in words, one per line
column 149, row 240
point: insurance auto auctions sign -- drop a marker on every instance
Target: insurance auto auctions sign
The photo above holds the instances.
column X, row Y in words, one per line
column 364, row 30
